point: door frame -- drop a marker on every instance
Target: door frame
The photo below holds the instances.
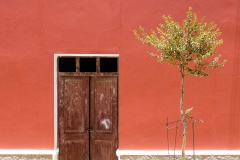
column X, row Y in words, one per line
column 56, row 86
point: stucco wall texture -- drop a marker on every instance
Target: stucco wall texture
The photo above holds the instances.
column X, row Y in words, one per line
column 32, row 31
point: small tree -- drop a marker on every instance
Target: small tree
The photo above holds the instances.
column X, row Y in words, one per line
column 189, row 46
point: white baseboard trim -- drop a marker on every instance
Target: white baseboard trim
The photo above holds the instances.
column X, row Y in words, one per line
column 177, row 152
column 54, row 153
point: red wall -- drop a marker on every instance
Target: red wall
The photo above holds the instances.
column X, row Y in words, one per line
column 32, row 31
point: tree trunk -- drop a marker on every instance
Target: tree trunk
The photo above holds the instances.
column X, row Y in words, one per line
column 182, row 113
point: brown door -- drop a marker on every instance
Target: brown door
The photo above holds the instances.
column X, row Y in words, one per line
column 103, row 121
column 87, row 118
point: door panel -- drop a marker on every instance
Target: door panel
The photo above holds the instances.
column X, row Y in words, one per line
column 75, row 148
column 74, row 115
column 73, row 118
column 103, row 118
column 103, row 150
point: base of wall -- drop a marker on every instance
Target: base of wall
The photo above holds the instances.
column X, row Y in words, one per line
column 25, row 157
column 127, row 155
column 28, row 154
column 203, row 157
column 165, row 155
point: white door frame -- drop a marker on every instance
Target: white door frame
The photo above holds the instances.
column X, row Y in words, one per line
column 56, row 87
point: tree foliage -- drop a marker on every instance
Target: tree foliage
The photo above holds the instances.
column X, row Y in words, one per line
column 188, row 45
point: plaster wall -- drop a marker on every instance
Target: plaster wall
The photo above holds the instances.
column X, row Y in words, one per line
column 32, row 31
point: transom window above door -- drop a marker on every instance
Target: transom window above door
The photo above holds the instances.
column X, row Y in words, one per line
column 88, row 65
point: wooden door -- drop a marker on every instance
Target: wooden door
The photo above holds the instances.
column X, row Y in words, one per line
column 87, row 118
column 73, row 107
column 103, row 121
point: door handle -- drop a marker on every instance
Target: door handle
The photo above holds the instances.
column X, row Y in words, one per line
column 89, row 130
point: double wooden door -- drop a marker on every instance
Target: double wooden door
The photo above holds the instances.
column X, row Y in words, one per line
column 87, row 117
